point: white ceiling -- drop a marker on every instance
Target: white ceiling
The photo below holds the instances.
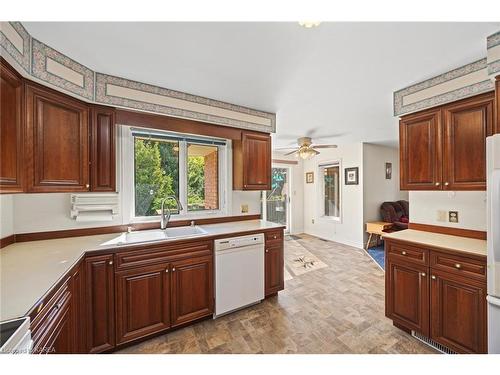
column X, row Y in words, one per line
column 335, row 81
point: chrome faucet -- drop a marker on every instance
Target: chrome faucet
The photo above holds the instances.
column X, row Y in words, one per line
column 166, row 217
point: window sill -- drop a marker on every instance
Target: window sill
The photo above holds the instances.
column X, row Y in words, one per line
column 174, row 218
column 336, row 220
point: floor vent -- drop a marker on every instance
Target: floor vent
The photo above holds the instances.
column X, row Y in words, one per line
column 432, row 343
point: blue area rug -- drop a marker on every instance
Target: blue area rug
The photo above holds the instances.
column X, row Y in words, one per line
column 378, row 255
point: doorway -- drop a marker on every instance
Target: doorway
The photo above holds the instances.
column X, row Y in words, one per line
column 276, row 202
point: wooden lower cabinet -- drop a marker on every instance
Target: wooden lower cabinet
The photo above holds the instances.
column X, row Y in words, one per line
column 447, row 306
column 407, row 295
column 274, row 268
column 458, row 313
column 100, row 302
column 142, row 302
column 192, row 293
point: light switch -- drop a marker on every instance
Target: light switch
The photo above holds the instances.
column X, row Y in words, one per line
column 441, row 215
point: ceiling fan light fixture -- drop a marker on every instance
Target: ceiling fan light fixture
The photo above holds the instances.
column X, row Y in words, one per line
column 306, row 153
column 309, row 24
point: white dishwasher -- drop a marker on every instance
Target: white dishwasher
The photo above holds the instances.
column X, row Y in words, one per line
column 239, row 272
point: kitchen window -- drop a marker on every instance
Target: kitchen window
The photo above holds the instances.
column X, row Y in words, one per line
column 187, row 167
column 329, row 181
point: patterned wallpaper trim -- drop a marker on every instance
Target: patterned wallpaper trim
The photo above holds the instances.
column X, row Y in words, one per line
column 447, row 97
column 7, row 46
column 41, row 52
column 263, row 121
column 57, row 69
column 493, row 43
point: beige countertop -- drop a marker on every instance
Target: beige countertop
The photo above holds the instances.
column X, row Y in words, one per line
column 444, row 241
column 28, row 270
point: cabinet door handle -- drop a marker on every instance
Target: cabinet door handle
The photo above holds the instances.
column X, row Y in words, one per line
column 166, row 270
column 423, row 274
column 433, row 277
column 173, row 269
column 87, row 185
column 458, row 266
column 403, row 253
column 267, row 250
column 275, row 236
column 110, row 262
column 437, row 184
column 446, row 183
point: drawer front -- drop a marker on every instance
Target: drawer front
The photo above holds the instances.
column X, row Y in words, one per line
column 407, row 253
column 276, row 235
column 50, row 318
column 459, row 265
column 162, row 254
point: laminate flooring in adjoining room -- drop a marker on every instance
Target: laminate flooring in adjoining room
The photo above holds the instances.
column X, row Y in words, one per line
column 337, row 308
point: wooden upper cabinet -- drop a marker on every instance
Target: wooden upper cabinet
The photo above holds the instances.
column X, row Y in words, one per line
column 458, row 312
column 252, row 162
column 407, row 294
column 466, row 126
column 11, row 130
column 445, row 148
column 57, row 141
column 102, row 149
column 420, row 151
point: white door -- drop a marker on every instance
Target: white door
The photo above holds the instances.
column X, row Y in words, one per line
column 276, row 202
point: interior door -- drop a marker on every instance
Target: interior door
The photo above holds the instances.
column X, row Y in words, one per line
column 276, row 202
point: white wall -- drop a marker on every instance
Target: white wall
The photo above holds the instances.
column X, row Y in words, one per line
column 6, row 215
column 350, row 230
column 471, row 207
column 377, row 189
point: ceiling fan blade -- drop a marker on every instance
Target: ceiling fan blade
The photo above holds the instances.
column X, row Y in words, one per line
column 286, row 148
column 291, row 153
column 324, row 146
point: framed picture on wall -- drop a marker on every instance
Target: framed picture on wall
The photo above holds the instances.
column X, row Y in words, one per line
column 352, row 176
column 388, row 171
column 309, row 177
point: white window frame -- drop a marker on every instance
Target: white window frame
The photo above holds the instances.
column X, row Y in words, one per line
column 128, row 185
column 321, row 189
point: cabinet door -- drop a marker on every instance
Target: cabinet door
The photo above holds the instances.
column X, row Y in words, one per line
column 458, row 313
column 192, row 294
column 100, row 303
column 274, row 269
column 256, row 161
column 142, row 302
column 407, row 295
column 420, row 151
column 78, row 310
column 102, row 145
column 57, row 132
column 466, row 126
column 11, row 130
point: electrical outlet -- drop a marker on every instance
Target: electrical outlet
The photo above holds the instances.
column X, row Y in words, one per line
column 312, row 221
column 453, row 216
column 441, row 215
column 244, row 208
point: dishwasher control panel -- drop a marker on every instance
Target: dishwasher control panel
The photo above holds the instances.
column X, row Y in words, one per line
column 234, row 242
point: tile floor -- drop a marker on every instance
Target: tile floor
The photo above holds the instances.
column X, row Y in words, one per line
column 335, row 309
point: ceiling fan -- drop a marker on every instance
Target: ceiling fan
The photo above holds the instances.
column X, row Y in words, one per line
column 306, row 149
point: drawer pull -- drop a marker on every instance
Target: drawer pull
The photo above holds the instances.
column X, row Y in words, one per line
column 267, row 250
column 458, row 266
column 437, row 183
column 110, row 262
column 403, row 253
column 166, row 270
column 275, row 236
column 433, row 277
column 173, row 269
column 423, row 274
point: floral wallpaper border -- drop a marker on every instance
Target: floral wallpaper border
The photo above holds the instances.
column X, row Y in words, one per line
column 102, row 80
column 23, row 59
column 40, row 53
column 447, row 97
column 493, row 41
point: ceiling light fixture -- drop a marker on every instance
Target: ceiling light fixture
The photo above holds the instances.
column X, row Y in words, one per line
column 309, row 24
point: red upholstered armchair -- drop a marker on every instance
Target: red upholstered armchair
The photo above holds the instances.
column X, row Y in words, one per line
column 396, row 213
